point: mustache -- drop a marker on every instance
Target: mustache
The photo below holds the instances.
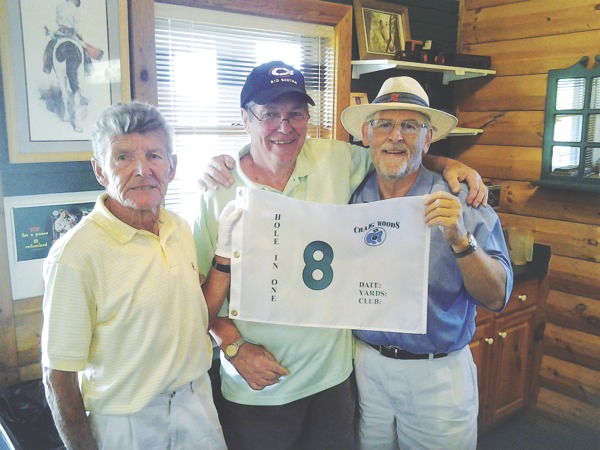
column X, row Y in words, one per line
column 395, row 148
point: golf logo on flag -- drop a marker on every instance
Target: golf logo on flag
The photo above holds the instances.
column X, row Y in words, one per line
column 375, row 237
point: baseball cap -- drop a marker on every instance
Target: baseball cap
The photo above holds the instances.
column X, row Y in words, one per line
column 270, row 81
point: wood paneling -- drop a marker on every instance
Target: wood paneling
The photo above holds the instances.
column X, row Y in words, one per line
column 575, row 240
column 8, row 340
column 570, row 379
column 473, row 4
column 533, row 201
column 572, row 345
column 529, row 19
column 516, row 128
column 525, row 39
column 28, row 328
column 311, row 11
column 142, row 51
column 536, row 55
column 574, row 311
column 517, row 163
column 513, row 93
column 567, row 409
column 575, row 276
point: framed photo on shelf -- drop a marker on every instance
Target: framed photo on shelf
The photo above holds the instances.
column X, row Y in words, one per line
column 358, row 98
column 63, row 62
column 381, row 28
column 33, row 224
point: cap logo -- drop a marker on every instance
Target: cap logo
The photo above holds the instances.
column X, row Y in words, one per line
column 281, row 72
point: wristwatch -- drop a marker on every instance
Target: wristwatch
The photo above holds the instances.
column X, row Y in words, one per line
column 470, row 248
column 232, row 349
column 225, row 268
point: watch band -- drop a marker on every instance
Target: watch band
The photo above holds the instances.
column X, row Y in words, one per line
column 225, row 268
column 467, row 251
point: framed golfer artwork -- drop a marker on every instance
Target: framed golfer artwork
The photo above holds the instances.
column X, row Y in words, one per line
column 63, row 62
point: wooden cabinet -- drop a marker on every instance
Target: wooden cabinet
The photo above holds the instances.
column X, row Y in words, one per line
column 503, row 352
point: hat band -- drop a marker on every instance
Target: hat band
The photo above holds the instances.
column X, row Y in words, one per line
column 401, row 97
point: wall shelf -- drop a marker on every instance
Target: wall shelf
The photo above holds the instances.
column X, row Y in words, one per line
column 450, row 73
column 460, row 131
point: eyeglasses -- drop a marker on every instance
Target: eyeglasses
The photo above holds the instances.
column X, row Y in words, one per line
column 407, row 128
column 274, row 120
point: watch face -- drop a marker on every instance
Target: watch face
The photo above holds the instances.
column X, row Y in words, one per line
column 231, row 350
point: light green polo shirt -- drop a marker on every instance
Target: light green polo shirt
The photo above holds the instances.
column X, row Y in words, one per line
column 326, row 171
column 124, row 307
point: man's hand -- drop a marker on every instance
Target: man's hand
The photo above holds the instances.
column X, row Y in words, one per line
column 257, row 366
column 444, row 210
column 455, row 172
column 483, row 276
column 217, row 173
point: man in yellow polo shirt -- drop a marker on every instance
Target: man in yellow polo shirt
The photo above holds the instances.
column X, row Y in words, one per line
column 123, row 307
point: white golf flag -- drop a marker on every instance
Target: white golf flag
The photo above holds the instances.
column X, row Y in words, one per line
column 362, row 266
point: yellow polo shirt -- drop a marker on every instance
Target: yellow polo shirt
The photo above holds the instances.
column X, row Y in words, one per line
column 124, row 308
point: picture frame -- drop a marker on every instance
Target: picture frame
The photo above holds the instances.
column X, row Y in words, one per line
column 358, row 98
column 33, row 223
column 51, row 111
column 381, row 28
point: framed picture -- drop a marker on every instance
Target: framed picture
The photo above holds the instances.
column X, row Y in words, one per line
column 358, row 98
column 33, row 224
column 381, row 28
column 63, row 62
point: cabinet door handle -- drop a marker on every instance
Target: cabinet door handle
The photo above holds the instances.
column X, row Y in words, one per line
column 489, row 340
column 523, row 298
column 502, row 334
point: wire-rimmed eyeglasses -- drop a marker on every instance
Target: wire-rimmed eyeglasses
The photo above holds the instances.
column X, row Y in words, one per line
column 407, row 127
column 274, row 120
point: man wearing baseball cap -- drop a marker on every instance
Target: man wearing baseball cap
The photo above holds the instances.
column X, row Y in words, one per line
column 420, row 391
column 285, row 386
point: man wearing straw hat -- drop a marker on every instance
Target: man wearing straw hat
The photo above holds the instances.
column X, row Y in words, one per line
column 420, row 391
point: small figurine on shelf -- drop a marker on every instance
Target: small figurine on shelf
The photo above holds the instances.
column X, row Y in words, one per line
column 421, row 51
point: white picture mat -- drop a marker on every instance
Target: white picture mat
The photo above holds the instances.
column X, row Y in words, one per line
column 26, row 276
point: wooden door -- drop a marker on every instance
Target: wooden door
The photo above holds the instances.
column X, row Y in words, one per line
column 511, row 364
column 481, row 348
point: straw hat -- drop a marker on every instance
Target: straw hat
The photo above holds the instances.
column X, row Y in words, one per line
column 403, row 93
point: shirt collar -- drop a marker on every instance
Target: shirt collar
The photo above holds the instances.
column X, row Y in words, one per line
column 302, row 168
column 118, row 229
column 370, row 190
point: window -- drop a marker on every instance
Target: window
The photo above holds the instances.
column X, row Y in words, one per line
column 571, row 154
column 203, row 58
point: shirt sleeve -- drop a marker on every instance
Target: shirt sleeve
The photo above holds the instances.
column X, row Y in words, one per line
column 69, row 318
column 205, row 232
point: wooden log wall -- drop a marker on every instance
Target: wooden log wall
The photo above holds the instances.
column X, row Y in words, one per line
column 525, row 39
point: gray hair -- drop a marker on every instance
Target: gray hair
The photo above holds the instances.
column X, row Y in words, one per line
column 127, row 118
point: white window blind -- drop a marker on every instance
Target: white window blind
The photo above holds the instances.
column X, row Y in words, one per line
column 203, row 58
